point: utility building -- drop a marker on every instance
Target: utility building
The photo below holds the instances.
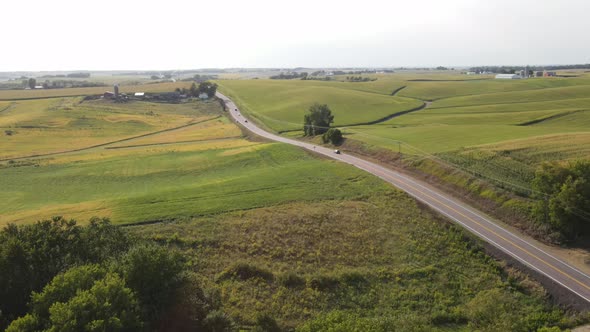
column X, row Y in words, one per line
column 508, row 76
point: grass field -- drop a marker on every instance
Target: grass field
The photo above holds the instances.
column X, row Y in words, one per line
column 375, row 262
column 282, row 104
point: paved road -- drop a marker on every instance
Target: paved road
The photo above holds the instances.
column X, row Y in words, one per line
column 515, row 245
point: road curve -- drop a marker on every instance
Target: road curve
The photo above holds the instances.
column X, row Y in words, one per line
column 512, row 244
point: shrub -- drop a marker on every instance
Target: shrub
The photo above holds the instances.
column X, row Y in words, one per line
column 323, row 283
column 291, row 280
column 218, row 321
column 333, row 136
column 266, row 323
column 245, row 271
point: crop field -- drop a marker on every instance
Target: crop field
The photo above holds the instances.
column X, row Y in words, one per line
column 464, row 114
column 41, row 126
column 68, row 92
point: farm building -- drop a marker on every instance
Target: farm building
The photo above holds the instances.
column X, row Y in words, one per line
column 139, row 94
column 203, row 95
column 539, row 74
column 550, row 74
column 508, row 76
column 108, row 95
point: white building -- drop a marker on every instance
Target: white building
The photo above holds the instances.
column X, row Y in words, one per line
column 508, row 76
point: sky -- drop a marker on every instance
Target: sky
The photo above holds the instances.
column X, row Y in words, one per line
column 157, row 35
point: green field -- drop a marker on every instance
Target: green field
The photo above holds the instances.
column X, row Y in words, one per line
column 465, row 113
column 282, row 104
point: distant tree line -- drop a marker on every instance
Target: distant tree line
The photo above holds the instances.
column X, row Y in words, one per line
column 200, row 78
column 289, row 76
column 60, row 84
column 204, row 87
column 59, row 276
column 359, row 79
column 71, row 75
column 513, row 69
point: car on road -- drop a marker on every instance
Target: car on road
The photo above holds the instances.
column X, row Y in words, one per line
column 337, row 151
column 245, row 120
column 236, row 110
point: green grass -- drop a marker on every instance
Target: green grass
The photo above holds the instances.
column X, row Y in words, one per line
column 170, row 184
column 282, row 104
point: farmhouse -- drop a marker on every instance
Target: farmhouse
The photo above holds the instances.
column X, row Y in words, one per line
column 139, row 94
column 203, row 96
column 508, row 76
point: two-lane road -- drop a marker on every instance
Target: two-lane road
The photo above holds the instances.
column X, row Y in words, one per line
column 512, row 244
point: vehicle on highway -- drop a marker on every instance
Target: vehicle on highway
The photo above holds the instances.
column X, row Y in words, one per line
column 337, row 151
column 245, row 120
column 236, row 109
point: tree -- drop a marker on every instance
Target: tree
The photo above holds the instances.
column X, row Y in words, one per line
column 193, row 90
column 318, row 120
column 32, row 255
column 107, row 306
column 32, row 83
column 208, row 88
column 563, row 194
column 154, row 273
column 333, row 136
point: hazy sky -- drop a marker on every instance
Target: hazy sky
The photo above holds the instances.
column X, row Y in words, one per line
column 129, row 34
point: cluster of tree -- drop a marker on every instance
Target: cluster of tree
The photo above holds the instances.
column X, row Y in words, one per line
column 60, row 84
column 317, row 78
column 200, row 78
column 164, row 76
column 289, row 76
column 359, row 79
column 58, row 276
column 563, row 193
column 71, row 75
column 204, row 87
column 317, row 121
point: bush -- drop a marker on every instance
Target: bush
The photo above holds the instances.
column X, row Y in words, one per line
column 218, row 321
column 333, row 136
column 323, row 283
column 245, row 271
column 291, row 280
column 266, row 323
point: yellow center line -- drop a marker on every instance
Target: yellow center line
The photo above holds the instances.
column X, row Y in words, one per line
column 493, row 232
